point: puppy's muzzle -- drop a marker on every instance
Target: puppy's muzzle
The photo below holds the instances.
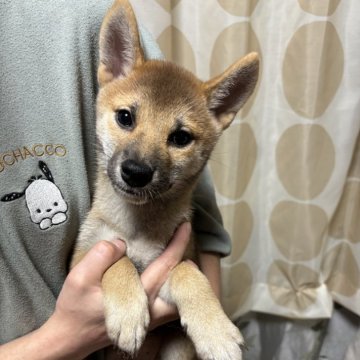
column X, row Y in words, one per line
column 136, row 174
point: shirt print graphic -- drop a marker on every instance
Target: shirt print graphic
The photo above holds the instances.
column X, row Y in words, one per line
column 43, row 198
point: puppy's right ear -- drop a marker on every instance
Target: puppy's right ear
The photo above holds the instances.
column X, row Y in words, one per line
column 120, row 49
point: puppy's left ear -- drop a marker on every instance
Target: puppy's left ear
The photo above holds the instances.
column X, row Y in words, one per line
column 228, row 92
column 120, row 49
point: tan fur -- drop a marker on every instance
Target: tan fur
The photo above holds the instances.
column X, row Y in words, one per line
column 121, row 323
column 163, row 100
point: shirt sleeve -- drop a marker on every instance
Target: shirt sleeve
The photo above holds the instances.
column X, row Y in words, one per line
column 211, row 235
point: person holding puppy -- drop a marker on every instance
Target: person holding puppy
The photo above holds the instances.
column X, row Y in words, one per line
column 48, row 90
column 76, row 328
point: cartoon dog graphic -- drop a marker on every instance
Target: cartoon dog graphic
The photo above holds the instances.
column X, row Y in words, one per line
column 43, row 199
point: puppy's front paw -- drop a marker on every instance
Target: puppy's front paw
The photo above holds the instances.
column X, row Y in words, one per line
column 127, row 321
column 217, row 338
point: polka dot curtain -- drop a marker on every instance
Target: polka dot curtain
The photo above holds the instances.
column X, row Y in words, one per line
column 287, row 172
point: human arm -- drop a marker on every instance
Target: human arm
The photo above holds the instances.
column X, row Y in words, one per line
column 210, row 265
column 211, row 237
column 77, row 328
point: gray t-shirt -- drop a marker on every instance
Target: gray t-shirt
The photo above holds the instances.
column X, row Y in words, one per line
column 48, row 52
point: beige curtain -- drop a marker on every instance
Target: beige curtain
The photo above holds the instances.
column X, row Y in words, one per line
column 287, row 172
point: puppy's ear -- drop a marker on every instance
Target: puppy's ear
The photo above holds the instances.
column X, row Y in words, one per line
column 120, row 49
column 228, row 92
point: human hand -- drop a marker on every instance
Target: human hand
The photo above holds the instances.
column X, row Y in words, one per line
column 156, row 274
column 79, row 308
column 77, row 326
column 79, row 312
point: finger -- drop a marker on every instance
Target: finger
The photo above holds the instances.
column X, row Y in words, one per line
column 98, row 259
column 158, row 271
column 177, row 246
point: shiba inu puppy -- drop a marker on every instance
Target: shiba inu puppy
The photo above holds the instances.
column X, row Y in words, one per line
column 157, row 125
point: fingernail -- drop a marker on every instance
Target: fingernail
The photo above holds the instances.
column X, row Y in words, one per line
column 120, row 244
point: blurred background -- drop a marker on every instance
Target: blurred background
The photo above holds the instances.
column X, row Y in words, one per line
column 287, row 172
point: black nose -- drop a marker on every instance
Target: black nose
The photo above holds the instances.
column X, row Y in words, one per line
column 136, row 174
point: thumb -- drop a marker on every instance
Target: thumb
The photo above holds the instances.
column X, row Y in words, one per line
column 156, row 274
column 98, row 259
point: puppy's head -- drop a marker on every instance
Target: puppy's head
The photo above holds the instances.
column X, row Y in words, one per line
column 156, row 122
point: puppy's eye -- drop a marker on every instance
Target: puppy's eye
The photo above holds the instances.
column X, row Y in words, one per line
column 180, row 138
column 125, row 119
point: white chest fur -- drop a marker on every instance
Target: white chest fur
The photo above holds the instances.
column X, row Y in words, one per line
column 146, row 229
column 141, row 250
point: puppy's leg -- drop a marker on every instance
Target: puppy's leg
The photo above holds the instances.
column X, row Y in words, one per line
column 213, row 334
column 126, row 306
